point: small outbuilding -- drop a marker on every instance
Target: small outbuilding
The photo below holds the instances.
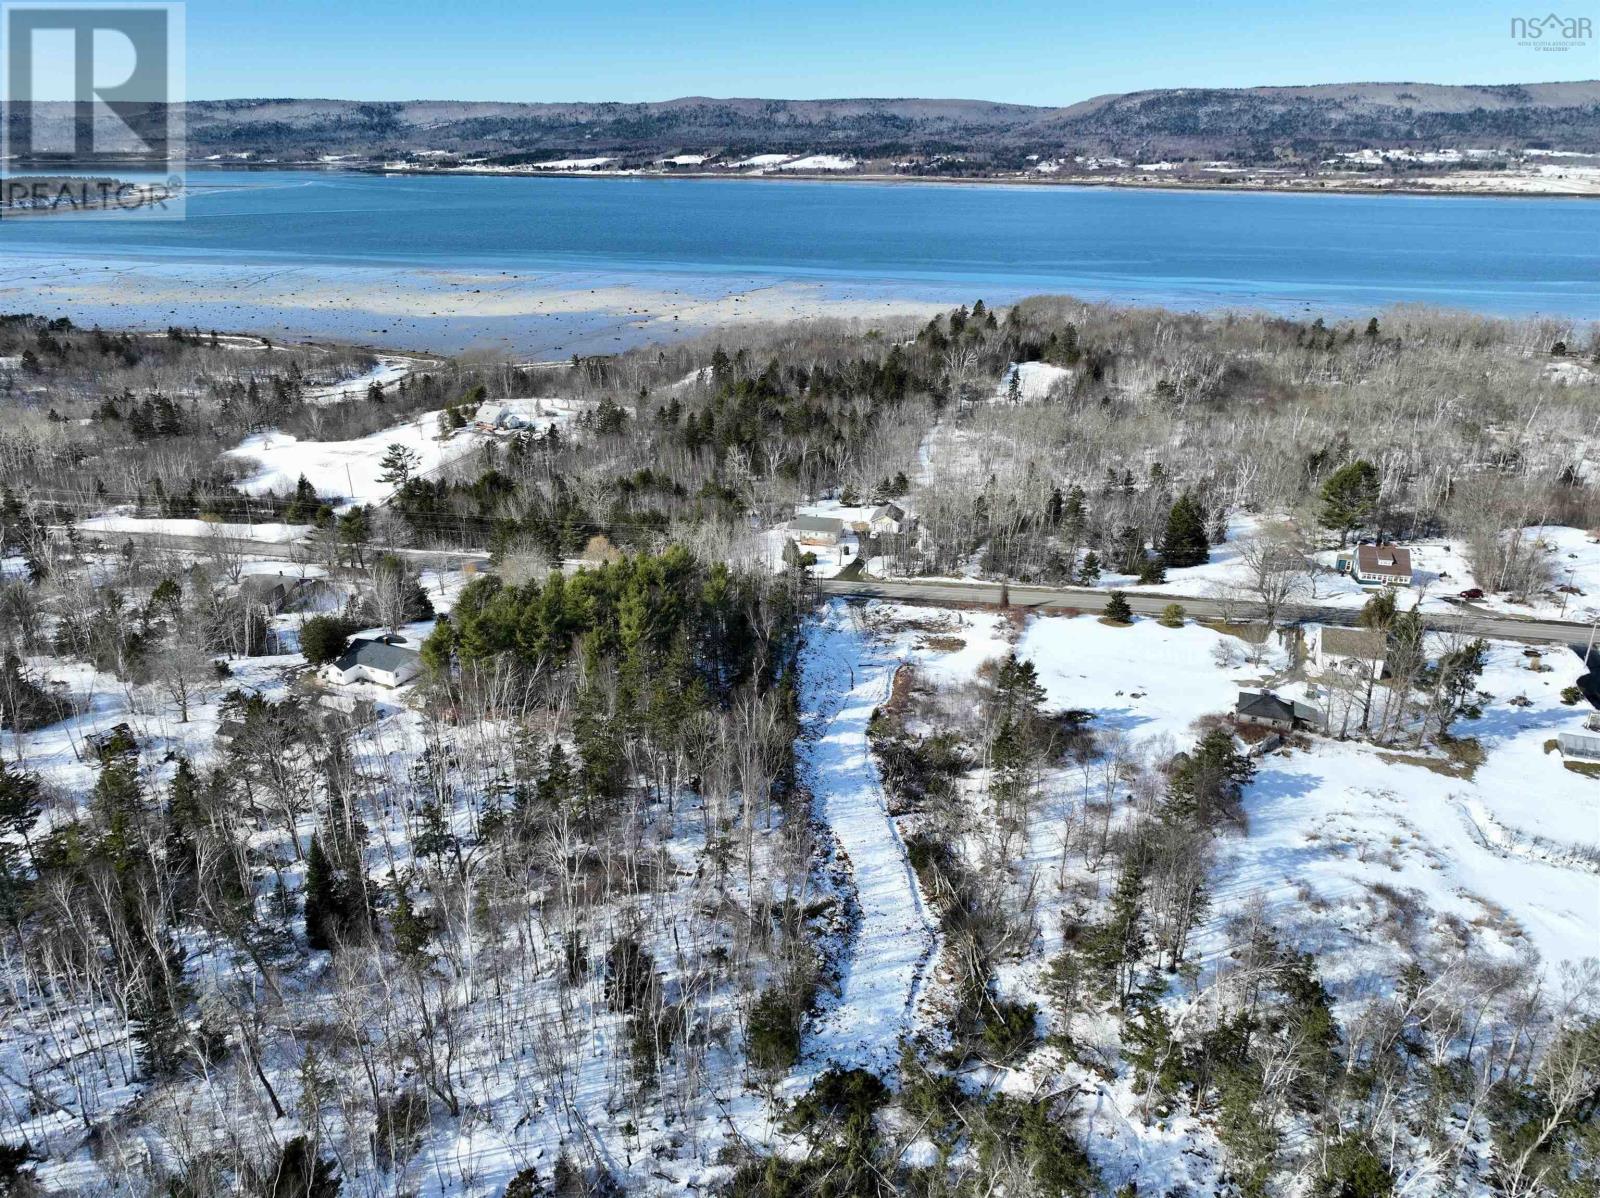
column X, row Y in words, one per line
column 270, row 591
column 1584, row 745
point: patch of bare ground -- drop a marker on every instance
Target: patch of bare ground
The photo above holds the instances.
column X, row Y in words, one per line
column 1461, row 759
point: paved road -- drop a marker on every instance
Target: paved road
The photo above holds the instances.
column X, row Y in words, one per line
column 246, row 546
column 1035, row 598
column 921, row 590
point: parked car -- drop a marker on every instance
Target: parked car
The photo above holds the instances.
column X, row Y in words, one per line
column 1472, row 593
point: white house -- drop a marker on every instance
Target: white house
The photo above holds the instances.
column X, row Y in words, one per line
column 380, row 660
column 816, row 530
column 508, row 415
column 1360, row 651
column 890, row 519
column 1382, row 565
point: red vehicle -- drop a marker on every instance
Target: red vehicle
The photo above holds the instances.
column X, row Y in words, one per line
column 1472, row 593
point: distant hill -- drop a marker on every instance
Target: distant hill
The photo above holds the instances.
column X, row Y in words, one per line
column 1259, row 121
column 1244, row 124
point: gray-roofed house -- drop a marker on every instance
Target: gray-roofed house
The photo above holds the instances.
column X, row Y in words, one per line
column 1263, row 709
column 376, row 660
column 1359, row 651
column 816, row 530
column 283, row 592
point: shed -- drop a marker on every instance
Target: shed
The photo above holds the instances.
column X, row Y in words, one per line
column 891, row 519
column 1579, row 744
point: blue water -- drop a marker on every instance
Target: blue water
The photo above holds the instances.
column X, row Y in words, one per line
column 1335, row 254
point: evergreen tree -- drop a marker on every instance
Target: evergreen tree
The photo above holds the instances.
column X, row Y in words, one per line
column 1114, row 948
column 1185, row 542
column 1117, row 609
column 1208, row 780
column 1349, row 498
column 397, row 465
column 332, row 905
column 325, row 638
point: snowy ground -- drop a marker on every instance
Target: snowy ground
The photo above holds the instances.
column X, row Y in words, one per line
column 819, row 162
column 1471, row 846
column 1035, row 380
column 1355, row 852
column 270, row 533
column 1359, row 855
column 847, row 675
column 348, row 469
column 387, row 372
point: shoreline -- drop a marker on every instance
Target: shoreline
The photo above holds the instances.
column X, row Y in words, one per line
column 1314, row 186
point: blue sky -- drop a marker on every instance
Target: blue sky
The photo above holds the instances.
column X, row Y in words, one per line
column 1026, row 51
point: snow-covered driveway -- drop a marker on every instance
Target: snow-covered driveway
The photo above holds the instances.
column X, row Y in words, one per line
column 846, row 674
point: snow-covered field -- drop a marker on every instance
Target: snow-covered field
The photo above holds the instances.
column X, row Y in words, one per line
column 819, row 162
column 1035, row 380
column 270, row 532
column 1342, row 818
column 349, row 469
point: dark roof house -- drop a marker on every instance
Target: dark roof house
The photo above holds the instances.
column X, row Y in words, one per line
column 378, row 660
column 1383, row 563
column 1265, row 710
